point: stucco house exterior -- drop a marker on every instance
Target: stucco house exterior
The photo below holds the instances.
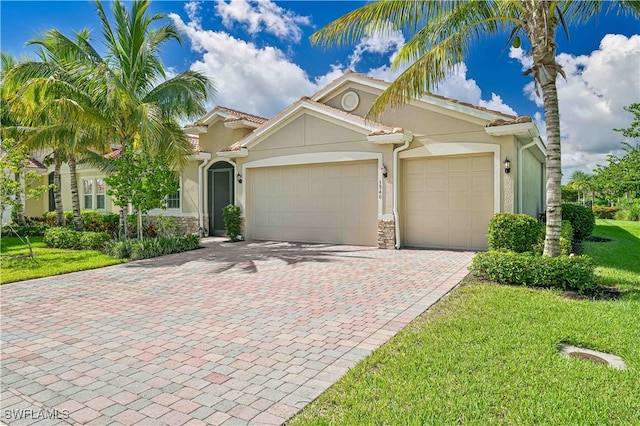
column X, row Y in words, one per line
column 430, row 174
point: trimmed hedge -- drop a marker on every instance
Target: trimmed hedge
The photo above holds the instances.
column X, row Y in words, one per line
column 66, row 238
column 515, row 232
column 566, row 239
column 604, row 212
column 529, row 269
column 582, row 220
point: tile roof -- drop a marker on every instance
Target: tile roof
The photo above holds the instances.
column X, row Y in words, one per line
column 235, row 115
column 380, row 129
column 32, row 163
column 517, row 120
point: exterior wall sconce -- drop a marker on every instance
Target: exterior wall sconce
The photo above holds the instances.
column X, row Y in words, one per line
column 239, row 178
column 384, row 171
column 507, row 165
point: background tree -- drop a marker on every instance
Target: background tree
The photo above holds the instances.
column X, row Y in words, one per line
column 441, row 35
column 582, row 183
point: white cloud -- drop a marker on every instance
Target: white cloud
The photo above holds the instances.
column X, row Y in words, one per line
column 263, row 15
column 497, row 104
column 520, row 55
column 258, row 80
column 592, row 98
column 389, row 40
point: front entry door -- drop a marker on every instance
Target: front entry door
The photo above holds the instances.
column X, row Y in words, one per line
column 220, row 195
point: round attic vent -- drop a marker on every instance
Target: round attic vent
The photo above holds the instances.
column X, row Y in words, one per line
column 350, row 101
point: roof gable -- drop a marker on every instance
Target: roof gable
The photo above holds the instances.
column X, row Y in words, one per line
column 427, row 100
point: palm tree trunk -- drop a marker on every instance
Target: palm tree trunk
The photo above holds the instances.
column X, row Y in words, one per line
column 75, row 198
column 554, row 170
column 57, row 181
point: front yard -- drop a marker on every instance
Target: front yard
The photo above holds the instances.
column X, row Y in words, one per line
column 16, row 265
column 487, row 354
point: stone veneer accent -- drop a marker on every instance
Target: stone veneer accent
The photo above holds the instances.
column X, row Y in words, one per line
column 186, row 225
column 387, row 234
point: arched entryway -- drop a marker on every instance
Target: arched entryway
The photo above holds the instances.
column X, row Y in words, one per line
column 220, row 194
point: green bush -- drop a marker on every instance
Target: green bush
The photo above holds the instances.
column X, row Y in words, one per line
column 166, row 226
column 604, row 212
column 93, row 240
column 151, row 247
column 566, row 239
column 232, row 221
column 515, row 232
column 62, row 238
column 529, row 269
column 118, row 248
column 630, row 210
column 582, row 220
column 34, row 230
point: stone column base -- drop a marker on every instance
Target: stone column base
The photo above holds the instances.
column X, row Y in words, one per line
column 387, row 234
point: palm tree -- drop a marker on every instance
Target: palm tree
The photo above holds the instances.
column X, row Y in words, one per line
column 146, row 105
column 63, row 115
column 442, row 33
column 581, row 181
column 125, row 96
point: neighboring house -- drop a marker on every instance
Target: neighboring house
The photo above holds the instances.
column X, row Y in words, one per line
column 430, row 174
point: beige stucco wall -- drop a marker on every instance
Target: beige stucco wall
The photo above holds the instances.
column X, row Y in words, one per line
column 310, row 134
column 434, row 124
column 532, row 185
column 37, row 207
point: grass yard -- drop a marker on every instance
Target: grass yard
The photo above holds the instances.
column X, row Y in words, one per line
column 487, row 354
column 48, row 261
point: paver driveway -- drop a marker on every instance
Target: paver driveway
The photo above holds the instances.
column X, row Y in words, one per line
column 233, row 333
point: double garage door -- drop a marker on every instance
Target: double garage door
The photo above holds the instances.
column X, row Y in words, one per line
column 319, row 203
column 447, row 202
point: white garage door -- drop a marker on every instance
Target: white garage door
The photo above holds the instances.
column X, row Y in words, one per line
column 321, row 203
column 447, row 201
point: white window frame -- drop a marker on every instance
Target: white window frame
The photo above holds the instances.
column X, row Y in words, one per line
column 94, row 193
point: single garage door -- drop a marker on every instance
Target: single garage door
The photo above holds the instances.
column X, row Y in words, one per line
column 320, row 203
column 447, row 201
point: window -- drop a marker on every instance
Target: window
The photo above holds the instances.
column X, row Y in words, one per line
column 94, row 193
column 173, row 200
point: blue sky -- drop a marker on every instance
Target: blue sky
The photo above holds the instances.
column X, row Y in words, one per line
column 260, row 58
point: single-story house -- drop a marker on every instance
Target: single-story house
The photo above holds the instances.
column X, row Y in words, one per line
column 429, row 174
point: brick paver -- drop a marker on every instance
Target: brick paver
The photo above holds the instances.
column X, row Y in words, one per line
column 232, row 333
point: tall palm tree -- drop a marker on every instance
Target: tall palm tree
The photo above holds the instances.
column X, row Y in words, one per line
column 441, row 34
column 147, row 106
column 63, row 115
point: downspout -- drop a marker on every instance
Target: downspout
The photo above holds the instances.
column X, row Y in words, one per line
column 204, row 160
column 520, row 171
column 396, row 216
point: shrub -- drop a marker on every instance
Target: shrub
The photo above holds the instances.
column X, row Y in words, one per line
column 630, row 210
column 565, row 272
column 62, row 238
column 93, row 240
column 151, row 247
column 166, row 226
column 148, row 229
column 232, row 221
column 582, row 220
column 35, row 230
column 604, row 212
column 566, row 239
column 515, row 232
column 118, row 248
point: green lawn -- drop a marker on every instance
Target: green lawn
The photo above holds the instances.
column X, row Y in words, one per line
column 48, row 261
column 487, row 354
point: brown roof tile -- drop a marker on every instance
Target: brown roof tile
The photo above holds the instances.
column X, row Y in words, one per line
column 239, row 115
column 517, row 120
column 32, row 163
